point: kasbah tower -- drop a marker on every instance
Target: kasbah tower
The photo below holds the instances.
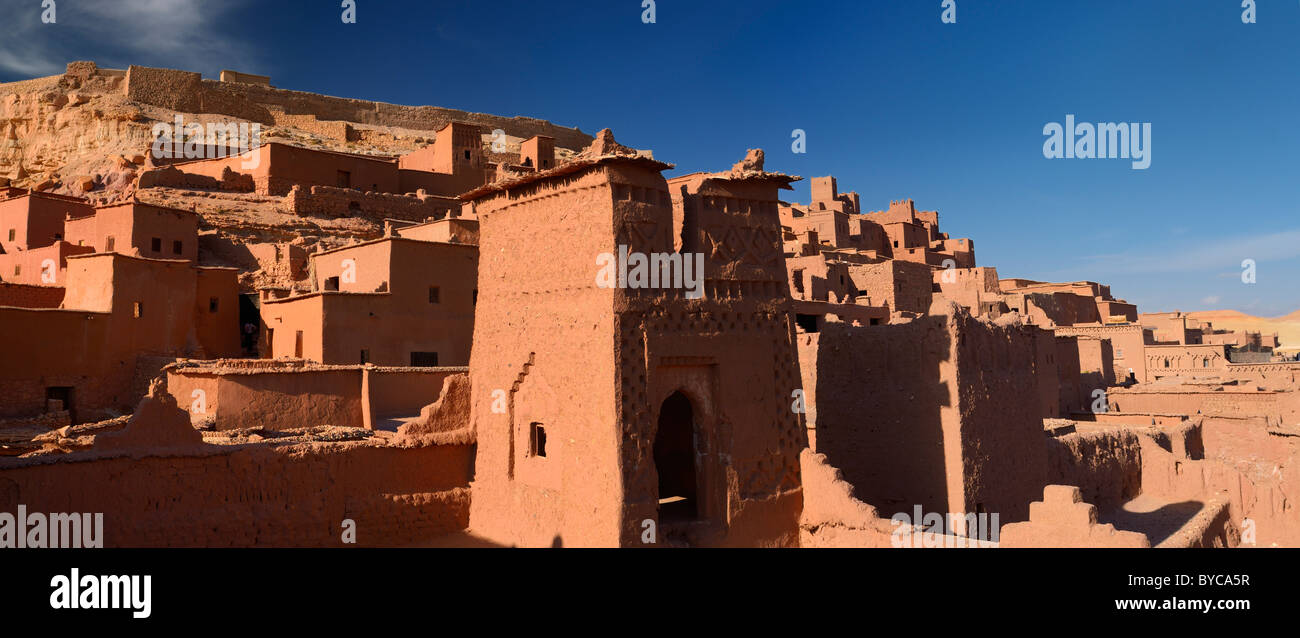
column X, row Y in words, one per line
column 591, row 401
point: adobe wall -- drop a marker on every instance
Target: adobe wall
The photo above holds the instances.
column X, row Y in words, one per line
column 28, row 296
column 538, row 338
column 45, row 266
column 1126, row 346
column 1273, row 376
column 188, row 92
column 273, row 399
column 53, row 348
column 172, row 177
column 558, row 371
column 259, row 495
column 832, row 515
column 904, row 286
column 1104, row 463
column 999, row 368
column 1063, row 519
column 327, row 201
column 290, row 166
column 937, row 422
column 405, row 391
column 276, row 395
column 1275, row 405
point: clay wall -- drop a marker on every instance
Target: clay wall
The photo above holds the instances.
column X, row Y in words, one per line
column 326, row 201
column 1190, row 360
column 901, row 285
column 46, row 266
column 1126, row 347
column 28, row 296
column 935, row 429
column 36, row 219
column 448, row 230
column 254, row 495
column 137, row 226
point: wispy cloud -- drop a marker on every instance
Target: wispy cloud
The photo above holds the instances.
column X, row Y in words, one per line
column 188, row 34
column 1201, row 255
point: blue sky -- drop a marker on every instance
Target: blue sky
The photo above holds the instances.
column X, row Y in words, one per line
column 895, row 103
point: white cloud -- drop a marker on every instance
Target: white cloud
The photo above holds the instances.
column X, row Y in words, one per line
column 1198, row 255
column 1211, row 300
column 184, row 34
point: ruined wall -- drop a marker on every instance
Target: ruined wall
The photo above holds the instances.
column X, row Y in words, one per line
column 948, row 415
column 188, row 92
column 1063, row 519
column 1275, row 405
column 1105, row 464
column 259, row 495
column 326, row 201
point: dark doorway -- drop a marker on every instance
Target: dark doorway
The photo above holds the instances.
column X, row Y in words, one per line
column 250, row 322
column 65, row 395
column 675, row 460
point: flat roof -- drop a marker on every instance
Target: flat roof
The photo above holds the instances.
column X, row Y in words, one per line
column 569, row 168
column 391, row 238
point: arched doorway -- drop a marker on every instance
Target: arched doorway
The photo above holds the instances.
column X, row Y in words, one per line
column 675, row 460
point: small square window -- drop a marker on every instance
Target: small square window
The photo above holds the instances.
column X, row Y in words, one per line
column 155, row 244
column 537, row 440
column 331, row 283
column 435, row 295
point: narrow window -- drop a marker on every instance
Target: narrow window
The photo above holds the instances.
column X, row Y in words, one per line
column 474, row 300
column 155, row 244
column 434, row 294
column 176, row 247
column 18, row 269
column 213, row 303
column 365, row 357
column 137, row 309
column 297, row 344
column 466, row 153
column 536, row 440
column 108, row 244
column 13, row 233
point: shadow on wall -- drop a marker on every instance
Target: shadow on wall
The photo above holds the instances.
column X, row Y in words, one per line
column 1158, row 524
column 880, row 397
